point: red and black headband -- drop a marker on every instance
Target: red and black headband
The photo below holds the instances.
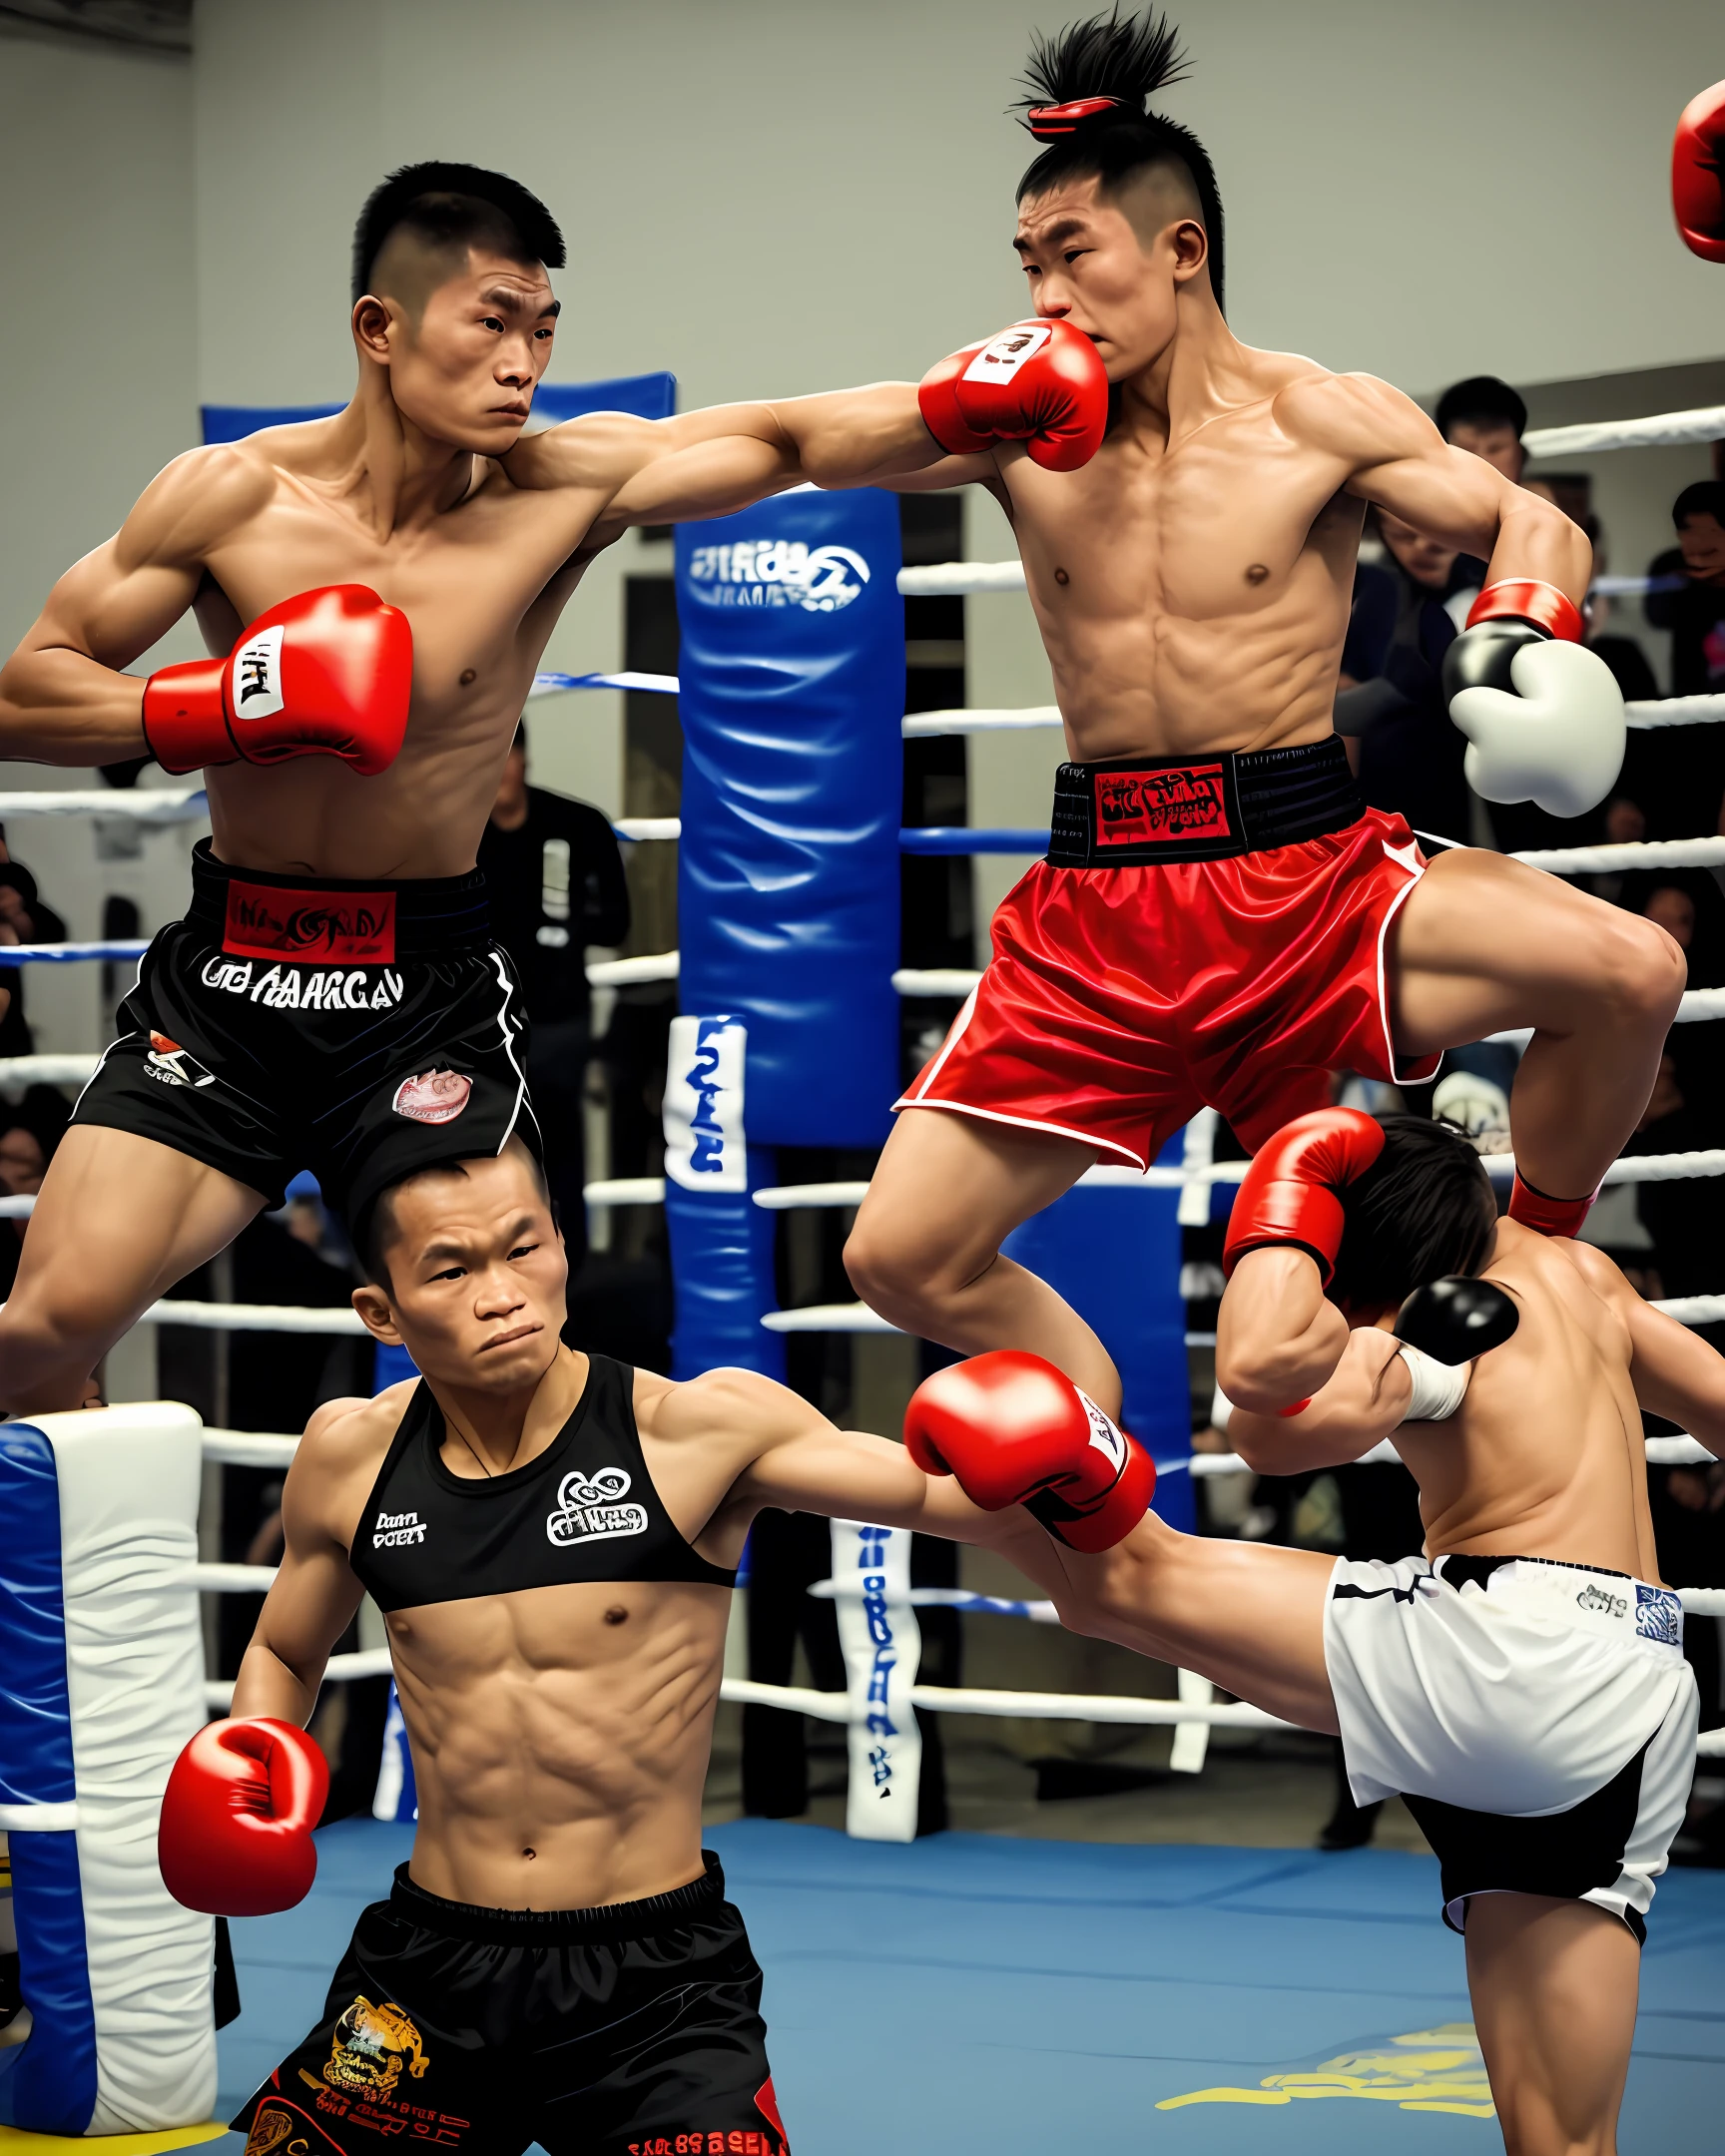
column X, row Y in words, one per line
column 1050, row 123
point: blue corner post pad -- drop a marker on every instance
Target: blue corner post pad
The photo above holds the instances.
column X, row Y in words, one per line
column 648, row 396
column 233, row 422
column 48, row 2083
column 792, row 678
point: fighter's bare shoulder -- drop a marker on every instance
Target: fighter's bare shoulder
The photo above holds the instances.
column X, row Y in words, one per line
column 199, row 499
column 596, row 452
column 736, row 1404
column 1353, row 417
column 1603, row 1276
column 346, row 1435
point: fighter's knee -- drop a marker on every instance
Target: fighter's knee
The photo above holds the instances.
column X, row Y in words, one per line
column 38, row 1329
column 884, row 1266
column 1639, row 971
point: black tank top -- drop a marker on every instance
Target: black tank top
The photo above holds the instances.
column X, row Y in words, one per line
column 584, row 1510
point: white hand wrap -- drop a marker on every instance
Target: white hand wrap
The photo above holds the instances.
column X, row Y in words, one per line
column 1221, row 1407
column 1557, row 742
column 1439, row 1388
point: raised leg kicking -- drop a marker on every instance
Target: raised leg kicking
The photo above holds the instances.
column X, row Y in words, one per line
column 1522, row 1682
column 1220, row 919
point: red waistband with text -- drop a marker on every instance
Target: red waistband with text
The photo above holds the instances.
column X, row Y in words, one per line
column 1162, row 804
column 267, row 920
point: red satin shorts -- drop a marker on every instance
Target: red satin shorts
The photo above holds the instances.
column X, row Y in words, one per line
column 1120, row 1000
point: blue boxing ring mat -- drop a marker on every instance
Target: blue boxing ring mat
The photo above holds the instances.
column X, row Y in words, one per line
column 973, row 1995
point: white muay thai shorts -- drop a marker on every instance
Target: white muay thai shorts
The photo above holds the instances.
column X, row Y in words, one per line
column 1538, row 1718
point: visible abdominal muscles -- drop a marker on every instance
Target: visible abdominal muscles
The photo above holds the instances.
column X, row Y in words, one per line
column 560, row 1740
column 1136, row 675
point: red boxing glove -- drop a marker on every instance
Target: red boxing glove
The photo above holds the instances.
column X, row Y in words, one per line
column 328, row 673
column 1015, row 1431
column 1289, row 1192
column 1698, row 175
column 1039, row 381
column 237, row 1819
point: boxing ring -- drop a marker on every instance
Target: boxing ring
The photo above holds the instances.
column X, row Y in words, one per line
column 788, row 984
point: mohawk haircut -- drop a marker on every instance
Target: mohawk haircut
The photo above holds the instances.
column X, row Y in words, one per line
column 456, row 206
column 1130, row 60
column 1423, row 1210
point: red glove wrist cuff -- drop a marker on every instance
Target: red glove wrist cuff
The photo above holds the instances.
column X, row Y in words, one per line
column 938, row 405
column 185, row 718
column 1547, row 1216
column 1526, row 599
column 1121, row 1509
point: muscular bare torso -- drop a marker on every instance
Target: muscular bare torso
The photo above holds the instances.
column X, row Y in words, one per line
column 560, row 1734
column 481, row 584
column 1192, row 587
column 1545, row 1457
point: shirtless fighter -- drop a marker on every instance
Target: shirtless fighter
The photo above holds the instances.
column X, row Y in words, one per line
column 553, row 1539
column 1219, row 919
column 1522, row 1683
column 384, row 583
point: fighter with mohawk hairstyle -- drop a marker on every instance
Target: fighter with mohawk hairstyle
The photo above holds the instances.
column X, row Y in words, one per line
column 1220, row 919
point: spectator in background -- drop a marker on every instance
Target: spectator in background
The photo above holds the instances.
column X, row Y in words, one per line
column 1486, row 416
column 1408, row 753
column 1695, row 611
column 24, row 918
column 29, row 1134
column 554, row 874
column 1688, row 791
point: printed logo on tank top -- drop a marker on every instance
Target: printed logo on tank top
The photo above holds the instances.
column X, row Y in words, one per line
column 589, row 1509
column 265, row 920
column 1147, row 807
column 394, row 1530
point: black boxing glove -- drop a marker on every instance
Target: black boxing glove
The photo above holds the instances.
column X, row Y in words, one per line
column 1455, row 1320
column 1441, row 1328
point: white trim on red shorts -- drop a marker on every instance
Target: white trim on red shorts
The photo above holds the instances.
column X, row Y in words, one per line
column 915, row 1098
column 1391, row 1060
column 1018, row 1122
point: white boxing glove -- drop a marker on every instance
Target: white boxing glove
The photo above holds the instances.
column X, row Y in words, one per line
column 1556, row 738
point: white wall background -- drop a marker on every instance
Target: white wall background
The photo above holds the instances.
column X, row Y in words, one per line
column 783, row 195
column 97, row 390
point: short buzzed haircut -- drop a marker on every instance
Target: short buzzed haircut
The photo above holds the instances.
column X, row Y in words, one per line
column 376, row 1230
column 449, row 208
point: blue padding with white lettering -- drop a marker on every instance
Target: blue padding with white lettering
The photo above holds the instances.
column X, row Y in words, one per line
column 1115, row 1253
column 791, row 674
column 722, row 1261
column 49, row 2083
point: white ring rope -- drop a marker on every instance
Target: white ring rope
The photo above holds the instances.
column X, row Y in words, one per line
column 1661, row 711
column 150, row 805
column 1663, row 430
